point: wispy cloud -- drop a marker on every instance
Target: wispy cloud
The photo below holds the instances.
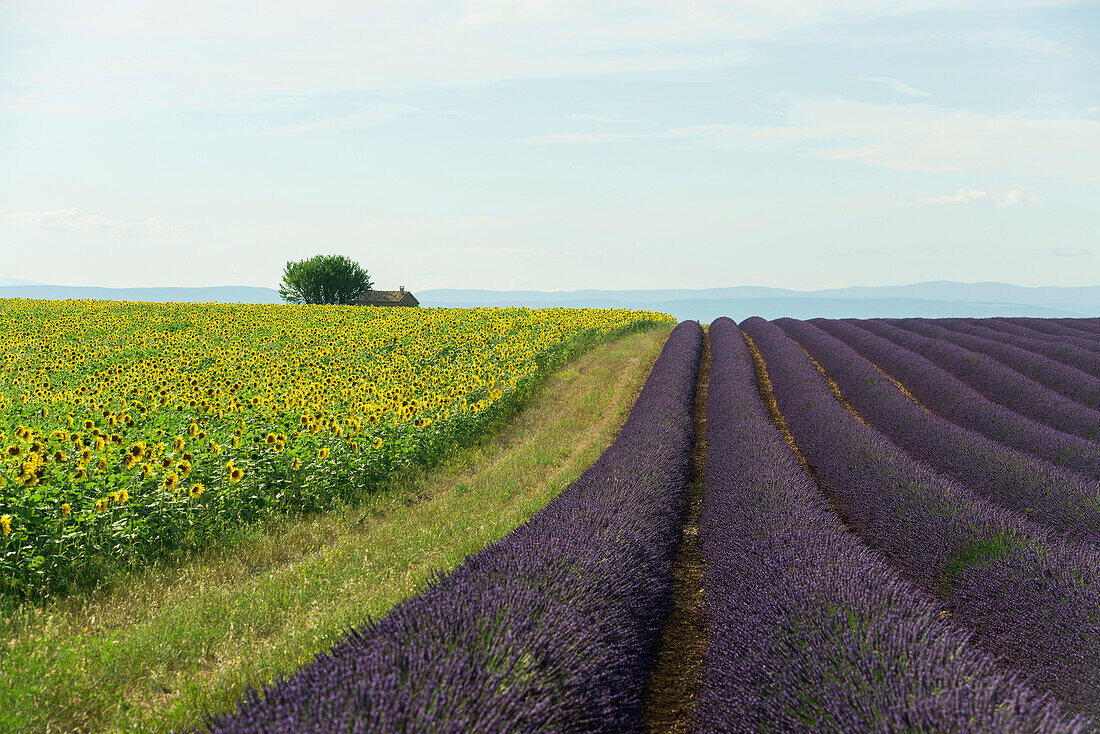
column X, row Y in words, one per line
column 915, row 138
column 371, row 114
column 78, row 220
column 129, row 51
column 962, row 197
column 585, row 117
column 897, row 85
column 761, row 108
column 1013, row 197
column 1060, row 251
column 584, row 138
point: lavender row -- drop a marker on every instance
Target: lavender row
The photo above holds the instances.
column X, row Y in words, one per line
column 1072, row 355
column 951, row 398
column 1051, row 328
column 1030, row 598
column 1015, row 480
column 808, row 630
column 553, row 628
column 996, row 382
column 1017, row 328
column 1090, row 327
column 1067, row 381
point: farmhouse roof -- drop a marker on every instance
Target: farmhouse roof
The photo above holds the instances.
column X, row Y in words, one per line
column 388, row 298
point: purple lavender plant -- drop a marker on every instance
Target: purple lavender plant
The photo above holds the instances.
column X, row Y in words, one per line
column 1030, row 599
column 1067, row 381
column 1018, row 328
column 951, row 398
column 808, row 630
column 997, row 382
column 1053, row 328
column 1079, row 358
column 1089, row 327
column 1050, row 495
column 553, row 628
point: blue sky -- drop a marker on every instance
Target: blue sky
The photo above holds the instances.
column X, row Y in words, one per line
column 551, row 144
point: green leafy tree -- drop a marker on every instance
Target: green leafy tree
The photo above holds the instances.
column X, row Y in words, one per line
column 324, row 279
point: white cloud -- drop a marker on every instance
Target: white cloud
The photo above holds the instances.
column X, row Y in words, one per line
column 1017, row 196
column 77, row 220
column 583, row 117
column 583, row 138
column 897, row 85
column 370, row 115
column 138, row 53
column 1060, row 251
column 1019, row 41
column 962, row 196
column 915, row 138
column 1012, row 197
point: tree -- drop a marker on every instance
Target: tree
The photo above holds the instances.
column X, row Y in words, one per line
column 324, row 279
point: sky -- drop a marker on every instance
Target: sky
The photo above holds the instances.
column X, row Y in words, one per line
column 551, row 144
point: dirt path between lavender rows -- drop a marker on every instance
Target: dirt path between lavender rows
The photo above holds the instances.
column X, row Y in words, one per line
column 675, row 678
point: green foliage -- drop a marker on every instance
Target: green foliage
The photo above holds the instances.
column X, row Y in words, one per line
column 332, row 279
column 980, row 552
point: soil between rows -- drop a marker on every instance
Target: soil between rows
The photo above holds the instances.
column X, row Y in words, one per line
column 675, row 678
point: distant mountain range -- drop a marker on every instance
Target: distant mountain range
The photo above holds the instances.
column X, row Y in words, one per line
column 933, row 299
column 937, row 299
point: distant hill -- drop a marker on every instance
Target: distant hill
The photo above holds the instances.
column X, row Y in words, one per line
column 215, row 294
column 932, row 300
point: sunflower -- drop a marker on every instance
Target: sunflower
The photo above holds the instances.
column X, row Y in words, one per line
column 171, row 480
column 322, row 453
column 236, row 474
column 5, row 524
column 377, row 443
column 197, row 490
column 66, row 509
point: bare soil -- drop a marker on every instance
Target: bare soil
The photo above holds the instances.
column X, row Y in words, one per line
column 675, row 679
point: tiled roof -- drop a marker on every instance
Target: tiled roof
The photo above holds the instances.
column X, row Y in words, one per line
column 385, row 296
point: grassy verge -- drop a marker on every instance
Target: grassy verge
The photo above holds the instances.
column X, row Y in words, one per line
column 154, row 652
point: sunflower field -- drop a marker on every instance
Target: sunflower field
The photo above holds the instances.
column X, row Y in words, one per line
column 132, row 430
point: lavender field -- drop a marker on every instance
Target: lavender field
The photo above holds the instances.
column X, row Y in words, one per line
column 885, row 524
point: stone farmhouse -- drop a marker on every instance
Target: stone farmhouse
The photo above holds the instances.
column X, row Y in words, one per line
column 400, row 297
